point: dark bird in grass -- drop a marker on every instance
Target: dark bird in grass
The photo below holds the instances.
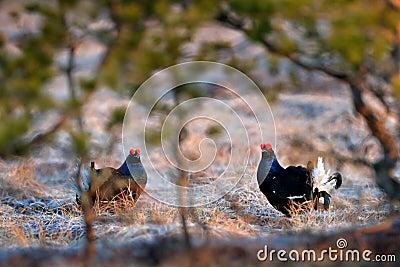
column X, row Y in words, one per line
column 106, row 183
column 282, row 186
column 286, row 187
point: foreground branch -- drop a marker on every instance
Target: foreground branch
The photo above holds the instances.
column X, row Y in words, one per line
column 87, row 210
column 88, row 215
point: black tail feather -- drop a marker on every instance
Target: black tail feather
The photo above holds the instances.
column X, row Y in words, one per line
column 338, row 177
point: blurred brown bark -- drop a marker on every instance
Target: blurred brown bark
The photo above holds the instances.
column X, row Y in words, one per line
column 88, row 213
column 384, row 169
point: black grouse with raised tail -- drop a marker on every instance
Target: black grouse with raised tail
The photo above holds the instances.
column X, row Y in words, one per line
column 297, row 184
column 281, row 185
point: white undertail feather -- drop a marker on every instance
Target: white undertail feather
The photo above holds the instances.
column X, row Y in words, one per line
column 320, row 177
column 294, row 197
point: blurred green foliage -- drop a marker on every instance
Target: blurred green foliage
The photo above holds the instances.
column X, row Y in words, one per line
column 117, row 117
column 349, row 30
column 143, row 37
column 214, row 130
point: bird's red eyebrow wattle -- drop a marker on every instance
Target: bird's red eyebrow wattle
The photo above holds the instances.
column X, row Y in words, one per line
column 137, row 151
column 132, row 151
column 268, row 146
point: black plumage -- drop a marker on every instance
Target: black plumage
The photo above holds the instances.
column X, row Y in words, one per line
column 282, row 186
column 296, row 184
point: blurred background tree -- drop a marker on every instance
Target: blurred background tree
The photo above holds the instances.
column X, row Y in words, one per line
column 355, row 42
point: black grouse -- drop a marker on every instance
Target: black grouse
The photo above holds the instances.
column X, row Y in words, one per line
column 106, row 183
column 297, row 184
column 281, row 185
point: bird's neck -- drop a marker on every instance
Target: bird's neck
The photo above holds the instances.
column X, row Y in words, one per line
column 264, row 167
column 275, row 166
column 124, row 170
column 268, row 168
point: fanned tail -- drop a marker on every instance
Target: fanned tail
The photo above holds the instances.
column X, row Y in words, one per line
column 319, row 173
column 323, row 180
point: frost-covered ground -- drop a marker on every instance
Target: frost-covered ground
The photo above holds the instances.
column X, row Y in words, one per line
column 38, row 207
column 38, row 203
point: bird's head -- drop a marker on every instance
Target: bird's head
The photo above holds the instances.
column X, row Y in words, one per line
column 134, row 154
column 265, row 147
column 267, row 151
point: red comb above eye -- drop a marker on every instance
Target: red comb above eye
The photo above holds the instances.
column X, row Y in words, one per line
column 268, row 146
column 132, row 151
column 137, row 151
column 262, row 145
